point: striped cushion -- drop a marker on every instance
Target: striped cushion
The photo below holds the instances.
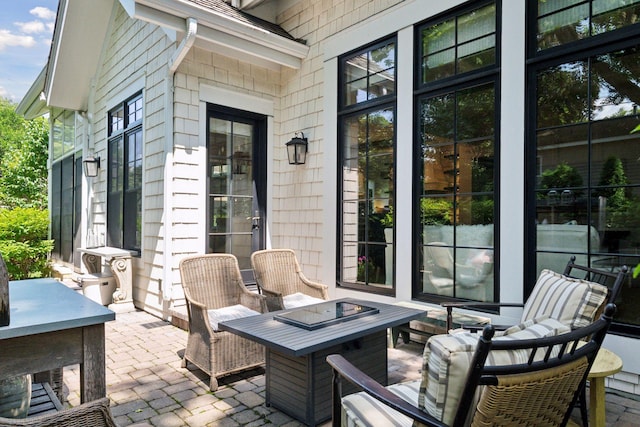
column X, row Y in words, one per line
column 360, row 409
column 447, row 359
column 574, row 302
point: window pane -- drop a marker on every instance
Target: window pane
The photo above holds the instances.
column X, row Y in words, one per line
column 563, row 27
column 218, row 209
column 459, row 45
column 609, row 15
column 116, row 120
column 474, row 113
column 369, row 75
column 367, row 195
column 563, row 95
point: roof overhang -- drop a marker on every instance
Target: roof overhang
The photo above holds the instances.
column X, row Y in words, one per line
column 33, row 103
column 81, row 30
column 223, row 34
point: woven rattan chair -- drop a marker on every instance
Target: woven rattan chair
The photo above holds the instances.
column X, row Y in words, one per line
column 213, row 282
column 91, row 414
column 278, row 275
column 538, row 390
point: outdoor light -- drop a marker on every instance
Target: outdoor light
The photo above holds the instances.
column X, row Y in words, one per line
column 91, row 166
column 297, row 149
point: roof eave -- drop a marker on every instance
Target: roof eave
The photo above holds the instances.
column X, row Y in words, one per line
column 218, row 29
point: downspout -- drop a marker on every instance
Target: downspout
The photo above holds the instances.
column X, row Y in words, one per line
column 174, row 62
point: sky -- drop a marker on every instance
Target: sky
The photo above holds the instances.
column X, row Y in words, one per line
column 26, row 28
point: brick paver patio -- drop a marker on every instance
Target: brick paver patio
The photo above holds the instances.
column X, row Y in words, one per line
column 148, row 387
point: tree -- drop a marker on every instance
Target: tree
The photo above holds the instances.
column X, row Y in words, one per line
column 23, row 159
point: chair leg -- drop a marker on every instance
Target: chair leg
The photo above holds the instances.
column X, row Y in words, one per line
column 583, row 407
column 213, row 383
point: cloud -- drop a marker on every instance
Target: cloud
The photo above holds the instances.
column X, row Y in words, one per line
column 43, row 13
column 6, row 95
column 7, row 39
column 33, row 27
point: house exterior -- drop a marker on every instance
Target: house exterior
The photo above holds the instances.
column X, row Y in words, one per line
column 454, row 148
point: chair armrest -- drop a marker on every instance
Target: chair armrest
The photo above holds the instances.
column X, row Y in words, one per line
column 254, row 301
column 342, row 368
column 199, row 319
column 273, row 299
column 314, row 289
column 449, row 306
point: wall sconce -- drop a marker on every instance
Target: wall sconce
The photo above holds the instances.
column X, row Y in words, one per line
column 91, row 166
column 297, row 149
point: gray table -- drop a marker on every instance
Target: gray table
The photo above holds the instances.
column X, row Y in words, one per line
column 53, row 326
column 298, row 379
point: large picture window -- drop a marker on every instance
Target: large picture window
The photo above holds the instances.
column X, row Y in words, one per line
column 456, row 143
column 367, row 140
column 585, row 125
column 124, row 199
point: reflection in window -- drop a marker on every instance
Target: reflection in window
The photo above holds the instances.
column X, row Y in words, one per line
column 367, row 197
column 456, row 201
column 369, row 74
column 367, row 140
column 124, row 170
column 461, row 44
column 587, row 143
column 560, row 22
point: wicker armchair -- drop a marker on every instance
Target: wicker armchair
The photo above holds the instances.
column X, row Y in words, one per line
column 91, row 414
column 279, row 276
column 214, row 282
column 526, row 382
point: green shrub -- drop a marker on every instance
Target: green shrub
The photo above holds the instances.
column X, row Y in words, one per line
column 23, row 242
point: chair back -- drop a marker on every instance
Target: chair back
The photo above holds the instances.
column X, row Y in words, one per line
column 212, row 279
column 611, row 279
column 441, row 257
column 545, row 387
column 277, row 270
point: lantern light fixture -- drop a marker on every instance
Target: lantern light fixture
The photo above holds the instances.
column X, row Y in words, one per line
column 91, row 166
column 297, row 149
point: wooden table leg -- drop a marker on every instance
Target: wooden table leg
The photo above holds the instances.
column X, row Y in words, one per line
column 92, row 369
column 597, row 414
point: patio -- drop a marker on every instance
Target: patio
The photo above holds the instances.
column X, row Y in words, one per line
column 147, row 386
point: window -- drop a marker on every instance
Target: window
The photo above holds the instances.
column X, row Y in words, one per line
column 563, row 22
column 456, row 146
column 124, row 199
column 367, row 141
column 65, row 185
column 584, row 127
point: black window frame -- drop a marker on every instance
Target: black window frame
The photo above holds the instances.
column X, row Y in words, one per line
column 455, row 83
column 349, row 110
column 584, row 49
column 124, row 202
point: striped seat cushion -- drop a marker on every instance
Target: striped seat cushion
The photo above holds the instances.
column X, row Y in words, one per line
column 360, row 409
column 447, row 359
column 573, row 302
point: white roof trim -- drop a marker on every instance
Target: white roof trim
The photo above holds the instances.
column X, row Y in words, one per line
column 218, row 29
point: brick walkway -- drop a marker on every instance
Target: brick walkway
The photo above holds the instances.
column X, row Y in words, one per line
column 148, row 387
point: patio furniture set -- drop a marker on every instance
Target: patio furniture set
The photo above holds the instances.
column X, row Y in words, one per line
column 318, row 353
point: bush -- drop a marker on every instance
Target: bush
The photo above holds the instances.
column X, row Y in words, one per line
column 23, row 242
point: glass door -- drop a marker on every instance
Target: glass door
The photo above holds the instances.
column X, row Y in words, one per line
column 236, row 184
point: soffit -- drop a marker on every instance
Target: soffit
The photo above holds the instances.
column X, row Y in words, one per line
column 225, row 29
column 80, row 31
